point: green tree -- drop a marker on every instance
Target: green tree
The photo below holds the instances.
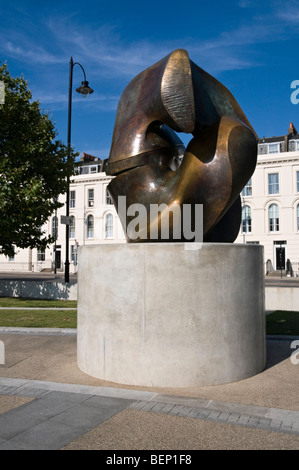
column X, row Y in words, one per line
column 34, row 168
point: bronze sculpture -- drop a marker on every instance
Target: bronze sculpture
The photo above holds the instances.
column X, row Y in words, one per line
column 149, row 161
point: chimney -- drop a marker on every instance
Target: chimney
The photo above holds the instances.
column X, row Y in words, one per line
column 292, row 129
column 86, row 158
column 291, row 132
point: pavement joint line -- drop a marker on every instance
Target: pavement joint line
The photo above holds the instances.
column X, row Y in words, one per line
column 224, row 415
column 176, row 410
column 185, row 411
column 233, row 418
column 166, row 409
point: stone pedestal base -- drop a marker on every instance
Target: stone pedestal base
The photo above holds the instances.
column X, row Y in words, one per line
column 161, row 315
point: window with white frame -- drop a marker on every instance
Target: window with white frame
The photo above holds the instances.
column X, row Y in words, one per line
column 273, row 218
column 93, row 169
column 297, row 180
column 74, row 251
column 246, row 219
column 247, row 190
column 273, row 183
column 108, row 198
column 109, row 226
column 297, row 217
column 90, row 197
column 297, row 145
column 273, row 148
column 72, row 199
column 41, row 254
column 55, row 227
column 72, row 227
column 90, row 226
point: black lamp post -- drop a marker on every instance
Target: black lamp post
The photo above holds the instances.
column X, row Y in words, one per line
column 85, row 90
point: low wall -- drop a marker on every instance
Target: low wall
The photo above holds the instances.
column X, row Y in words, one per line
column 282, row 298
column 276, row 298
column 38, row 289
column 161, row 315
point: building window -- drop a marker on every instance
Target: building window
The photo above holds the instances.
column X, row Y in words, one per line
column 41, row 255
column 72, row 226
column 247, row 190
column 298, row 217
column 72, row 199
column 93, row 169
column 90, row 198
column 273, row 183
column 297, row 144
column 90, row 226
column 108, row 198
column 109, row 226
column 273, row 148
column 246, row 219
column 55, row 227
column 297, row 174
column 273, row 218
column 74, row 253
column 74, row 250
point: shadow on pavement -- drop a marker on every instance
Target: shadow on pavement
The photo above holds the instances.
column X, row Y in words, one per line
column 277, row 351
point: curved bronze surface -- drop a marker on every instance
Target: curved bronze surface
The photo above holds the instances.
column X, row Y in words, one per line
column 148, row 159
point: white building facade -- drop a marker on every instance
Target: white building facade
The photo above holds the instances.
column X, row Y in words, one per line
column 93, row 220
column 270, row 203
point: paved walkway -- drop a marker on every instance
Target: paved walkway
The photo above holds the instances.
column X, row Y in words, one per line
column 46, row 402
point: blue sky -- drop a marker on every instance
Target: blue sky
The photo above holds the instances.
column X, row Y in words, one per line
column 251, row 46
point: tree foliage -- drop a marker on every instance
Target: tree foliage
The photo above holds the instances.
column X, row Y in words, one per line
column 34, row 167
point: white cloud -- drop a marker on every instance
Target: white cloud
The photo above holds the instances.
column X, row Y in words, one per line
column 29, row 53
column 106, row 54
column 249, row 3
column 59, row 101
column 289, row 16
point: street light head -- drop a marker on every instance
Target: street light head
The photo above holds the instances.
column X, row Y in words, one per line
column 84, row 89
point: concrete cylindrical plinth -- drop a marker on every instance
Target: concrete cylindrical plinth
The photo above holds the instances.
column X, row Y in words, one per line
column 161, row 315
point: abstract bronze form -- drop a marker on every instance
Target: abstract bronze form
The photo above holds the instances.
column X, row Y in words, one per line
column 150, row 163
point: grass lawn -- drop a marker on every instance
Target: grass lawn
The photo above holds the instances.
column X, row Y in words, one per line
column 39, row 318
column 282, row 322
column 20, row 302
column 277, row 323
